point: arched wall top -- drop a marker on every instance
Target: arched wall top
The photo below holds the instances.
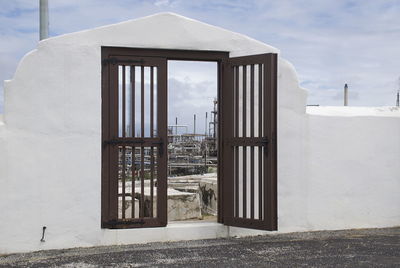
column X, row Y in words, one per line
column 165, row 30
column 67, row 66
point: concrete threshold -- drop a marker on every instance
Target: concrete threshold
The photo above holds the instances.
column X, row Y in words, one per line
column 176, row 231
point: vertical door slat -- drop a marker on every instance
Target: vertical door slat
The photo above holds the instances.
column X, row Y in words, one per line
column 260, row 134
column 162, row 164
column 151, row 135
column 236, row 175
column 244, row 125
column 123, row 135
column 142, row 148
column 252, row 196
column 270, row 170
column 133, row 92
column 113, row 172
column 266, row 132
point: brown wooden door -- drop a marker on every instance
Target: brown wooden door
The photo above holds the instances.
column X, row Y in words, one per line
column 249, row 116
column 134, row 141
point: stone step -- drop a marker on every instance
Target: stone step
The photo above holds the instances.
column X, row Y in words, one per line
column 180, row 205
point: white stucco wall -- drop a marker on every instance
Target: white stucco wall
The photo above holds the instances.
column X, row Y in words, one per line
column 50, row 155
column 353, row 170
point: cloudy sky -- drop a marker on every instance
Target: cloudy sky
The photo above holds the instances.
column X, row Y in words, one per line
column 330, row 42
column 192, row 89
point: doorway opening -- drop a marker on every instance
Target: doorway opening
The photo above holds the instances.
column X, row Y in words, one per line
column 136, row 147
column 192, row 140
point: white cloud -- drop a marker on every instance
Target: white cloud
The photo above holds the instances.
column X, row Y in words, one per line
column 161, row 3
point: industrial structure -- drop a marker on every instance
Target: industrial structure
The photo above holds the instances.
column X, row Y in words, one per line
column 193, row 153
column 188, row 153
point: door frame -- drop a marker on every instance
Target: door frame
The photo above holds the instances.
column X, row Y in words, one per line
column 224, row 80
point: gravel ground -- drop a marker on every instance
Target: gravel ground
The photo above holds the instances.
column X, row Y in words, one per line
column 349, row 248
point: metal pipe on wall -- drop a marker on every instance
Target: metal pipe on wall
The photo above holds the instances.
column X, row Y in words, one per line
column 44, row 19
column 346, row 95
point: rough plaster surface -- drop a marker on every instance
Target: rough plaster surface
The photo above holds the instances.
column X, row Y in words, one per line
column 333, row 172
column 353, row 169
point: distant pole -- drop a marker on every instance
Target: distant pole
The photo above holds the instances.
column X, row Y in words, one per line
column 215, row 119
column 205, row 146
column 44, row 19
column 205, row 129
column 194, row 124
column 398, row 95
column 346, row 95
column 176, row 125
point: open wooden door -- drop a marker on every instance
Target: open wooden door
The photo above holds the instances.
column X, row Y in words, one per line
column 249, row 140
column 134, row 140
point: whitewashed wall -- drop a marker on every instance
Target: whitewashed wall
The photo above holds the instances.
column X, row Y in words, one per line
column 50, row 154
column 353, row 170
